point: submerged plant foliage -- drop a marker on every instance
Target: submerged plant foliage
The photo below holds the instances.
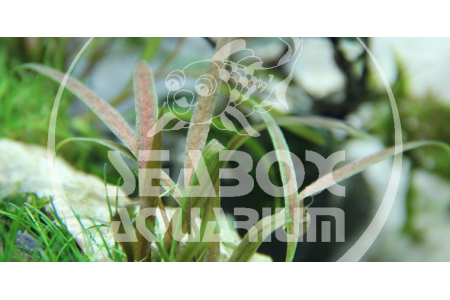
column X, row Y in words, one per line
column 147, row 114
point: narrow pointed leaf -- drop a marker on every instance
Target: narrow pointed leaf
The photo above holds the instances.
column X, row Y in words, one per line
column 213, row 248
column 358, row 166
column 128, row 247
column 146, row 104
column 261, row 231
column 202, row 116
column 296, row 124
column 210, row 169
column 151, row 48
column 254, row 237
column 289, row 186
column 150, row 195
column 109, row 115
column 112, row 145
column 320, row 122
column 168, row 184
column 302, row 131
column 190, row 251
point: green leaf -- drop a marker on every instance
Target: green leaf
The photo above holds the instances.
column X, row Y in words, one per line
column 291, row 200
column 358, row 166
column 207, row 171
column 172, row 188
column 190, row 251
column 128, row 247
column 256, row 235
column 112, row 145
column 303, row 132
column 109, row 115
column 291, row 122
column 150, row 49
column 296, row 125
column 213, row 248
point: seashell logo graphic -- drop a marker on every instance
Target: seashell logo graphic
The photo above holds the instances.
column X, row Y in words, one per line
column 242, row 78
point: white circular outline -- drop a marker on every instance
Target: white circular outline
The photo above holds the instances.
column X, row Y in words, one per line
column 362, row 245
column 357, row 251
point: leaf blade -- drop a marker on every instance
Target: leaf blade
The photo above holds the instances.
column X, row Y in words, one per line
column 264, row 228
column 146, row 105
column 109, row 115
column 211, row 169
column 291, row 200
column 149, row 195
column 112, row 145
column 321, row 122
column 151, row 48
column 201, row 118
column 360, row 165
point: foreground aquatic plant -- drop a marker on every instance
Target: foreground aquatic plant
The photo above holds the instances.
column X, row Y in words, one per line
column 29, row 234
column 135, row 145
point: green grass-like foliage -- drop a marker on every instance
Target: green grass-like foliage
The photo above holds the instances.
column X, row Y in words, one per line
column 29, row 233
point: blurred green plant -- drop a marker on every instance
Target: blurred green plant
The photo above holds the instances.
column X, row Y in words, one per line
column 29, row 232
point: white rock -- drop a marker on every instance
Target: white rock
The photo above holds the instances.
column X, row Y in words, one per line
column 25, row 168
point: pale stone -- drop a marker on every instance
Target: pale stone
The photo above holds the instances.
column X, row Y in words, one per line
column 25, row 168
